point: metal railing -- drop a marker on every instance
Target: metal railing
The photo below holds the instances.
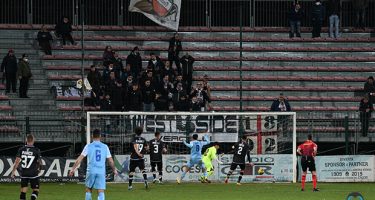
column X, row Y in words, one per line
column 255, row 13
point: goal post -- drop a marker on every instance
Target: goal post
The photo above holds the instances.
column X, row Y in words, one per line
column 271, row 135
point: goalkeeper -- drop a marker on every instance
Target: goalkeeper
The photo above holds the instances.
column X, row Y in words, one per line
column 208, row 156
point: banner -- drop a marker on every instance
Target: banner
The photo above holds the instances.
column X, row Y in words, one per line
column 163, row 12
column 54, row 169
column 277, row 168
column 221, row 128
column 358, row 168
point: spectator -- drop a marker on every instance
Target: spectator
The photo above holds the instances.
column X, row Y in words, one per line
column 124, row 73
column 110, row 83
column 195, row 105
column 129, row 82
column 9, row 68
column 134, row 99
column 117, row 95
column 174, row 50
column 177, row 93
column 183, row 104
column 24, row 74
column 166, row 87
column 206, row 86
column 178, row 80
column 295, row 17
column 187, row 70
column 167, row 70
column 107, row 71
column 64, row 30
column 334, row 9
column 161, row 102
column 134, row 59
column 105, row 103
column 156, row 65
column 365, row 109
column 148, row 94
column 281, row 105
column 359, row 7
column 117, row 64
column 94, row 78
column 108, row 56
column 44, row 37
column 369, row 88
column 318, row 15
column 201, row 96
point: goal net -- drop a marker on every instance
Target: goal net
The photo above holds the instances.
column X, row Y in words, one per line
column 270, row 135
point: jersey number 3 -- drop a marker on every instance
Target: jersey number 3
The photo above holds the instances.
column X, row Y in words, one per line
column 27, row 161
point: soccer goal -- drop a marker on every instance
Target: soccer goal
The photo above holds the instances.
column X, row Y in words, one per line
column 270, row 135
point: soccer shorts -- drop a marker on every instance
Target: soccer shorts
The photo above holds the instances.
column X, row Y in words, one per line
column 95, row 181
column 308, row 162
column 233, row 166
column 208, row 164
column 195, row 161
column 158, row 164
column 34, row 182
column 136, row 163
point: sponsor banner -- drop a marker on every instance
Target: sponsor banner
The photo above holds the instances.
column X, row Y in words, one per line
column 163, row 12
column 269, row 144
column 54, row 169
column 359, row 168
column 277, row 168
column 219, row 128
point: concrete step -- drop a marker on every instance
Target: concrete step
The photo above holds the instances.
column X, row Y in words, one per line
column 31, row 102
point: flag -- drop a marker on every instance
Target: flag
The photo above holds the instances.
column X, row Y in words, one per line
column 163, row 12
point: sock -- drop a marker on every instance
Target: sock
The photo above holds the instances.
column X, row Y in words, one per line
column 144, row 176
column 209, row 173
column 240, row 177
column 314, row 180
column 183, row 175
column 34, row 195
column 88, row 196
column 101, row 196
column 23, row 196
column 229, row 173
column 130, row 180
column 160, row 176
column 303, row 181
column 205, row 174
column 154, row 175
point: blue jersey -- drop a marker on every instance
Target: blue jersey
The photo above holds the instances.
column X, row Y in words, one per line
column 196, row 147
column 97, row 154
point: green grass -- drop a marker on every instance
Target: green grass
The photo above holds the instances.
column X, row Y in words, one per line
column 198, row 191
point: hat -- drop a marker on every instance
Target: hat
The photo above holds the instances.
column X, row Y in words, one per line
column 10, row 51
column 371, row 77
column 24, row 55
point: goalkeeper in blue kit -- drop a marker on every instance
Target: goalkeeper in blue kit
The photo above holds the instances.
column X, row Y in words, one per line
column 195, row 155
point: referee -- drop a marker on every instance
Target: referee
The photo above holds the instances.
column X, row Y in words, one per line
column 308, row 152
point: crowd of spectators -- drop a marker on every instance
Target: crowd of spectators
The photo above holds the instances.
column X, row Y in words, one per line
column 159, row 86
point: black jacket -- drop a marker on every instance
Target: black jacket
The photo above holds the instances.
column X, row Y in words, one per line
column 362, row 109
column 360, row 4
column 369, row 88
column 134, row 100
column 63, row 28
column 44, row 37
column 318, row 12
column 296, row 15
column 187, row 62
column 276, row 103
column 135, row 62
column 334, row 7
column 183, row 105
column 148, row 94
column 95, row 79
column 9, row 64
column 117, row 94
column 161, row 104
column 175, row 43
column 157, row 67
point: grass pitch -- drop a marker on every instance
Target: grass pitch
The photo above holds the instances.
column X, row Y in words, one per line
column 189, row 191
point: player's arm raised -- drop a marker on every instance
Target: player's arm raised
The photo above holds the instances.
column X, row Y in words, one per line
column 187, row 144
column 206, row 140
column 15, row 166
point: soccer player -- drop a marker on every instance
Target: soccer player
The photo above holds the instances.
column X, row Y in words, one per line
column 29, row 157
column 195, row 155
column 241, row 150
column 208, row 156
column 308, row 151
column 157, row 147
column 137, row 159
column 97, row 153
